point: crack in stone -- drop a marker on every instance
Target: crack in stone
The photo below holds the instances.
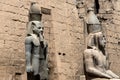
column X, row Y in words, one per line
column 8, row 4
column 13, row 12
column 22, row 6
column 18, row 20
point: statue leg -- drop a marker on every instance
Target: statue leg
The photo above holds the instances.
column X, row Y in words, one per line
column 43, row 69
column 30, row 76
column 112, row 74
column 37, row 77
column 35, row 65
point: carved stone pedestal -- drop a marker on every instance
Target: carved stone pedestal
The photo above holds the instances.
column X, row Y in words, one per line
column 82, row 77
column 93, row 78
column 103, row 79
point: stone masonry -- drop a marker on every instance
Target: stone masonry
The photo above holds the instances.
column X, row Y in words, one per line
column 108, row 14
column 64, row 31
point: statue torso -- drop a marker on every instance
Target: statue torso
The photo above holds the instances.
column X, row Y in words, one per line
column 99, row 59
column 37, row 50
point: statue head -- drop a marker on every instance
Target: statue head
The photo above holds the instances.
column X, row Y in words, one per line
column 35, row 27
column 96, row 40
column 102, row 41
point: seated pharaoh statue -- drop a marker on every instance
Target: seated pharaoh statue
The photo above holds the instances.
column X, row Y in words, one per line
column 96, row 58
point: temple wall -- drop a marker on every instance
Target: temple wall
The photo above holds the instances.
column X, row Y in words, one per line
column 108, row 14
column 64, row 31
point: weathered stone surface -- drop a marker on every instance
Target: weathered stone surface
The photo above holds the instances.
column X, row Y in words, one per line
column 104, row 79
column 63, row 31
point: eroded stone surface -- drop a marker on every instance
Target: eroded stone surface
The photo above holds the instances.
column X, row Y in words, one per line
column 63, row 28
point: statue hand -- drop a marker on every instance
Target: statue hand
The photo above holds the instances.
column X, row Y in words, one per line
column 29, row 68
column 117, row 77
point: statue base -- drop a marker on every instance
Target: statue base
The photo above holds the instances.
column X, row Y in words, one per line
column 82, row 77
column 103, row 79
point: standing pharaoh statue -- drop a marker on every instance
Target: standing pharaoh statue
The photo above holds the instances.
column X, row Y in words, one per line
column 36, row 46
column 95, row 55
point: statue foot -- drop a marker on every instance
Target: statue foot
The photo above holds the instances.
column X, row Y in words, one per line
column 29, row 69
column 114, row 79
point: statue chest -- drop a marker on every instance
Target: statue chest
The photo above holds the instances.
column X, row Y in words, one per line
column 99, row 59
column 38, row 50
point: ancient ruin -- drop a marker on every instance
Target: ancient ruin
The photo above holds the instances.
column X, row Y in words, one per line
column 95, row 56
column 36, row 47
column 68, row 33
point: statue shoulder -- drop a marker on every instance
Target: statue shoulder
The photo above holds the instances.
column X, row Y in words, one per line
column 28, row 39
column 89, row 52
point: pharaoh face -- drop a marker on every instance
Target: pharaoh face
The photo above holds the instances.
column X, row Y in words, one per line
column 102, row 41
column 37, row 27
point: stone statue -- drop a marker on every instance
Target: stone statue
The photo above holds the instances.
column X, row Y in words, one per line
column 36, row 47
column 93, row 24
column 96, row 58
